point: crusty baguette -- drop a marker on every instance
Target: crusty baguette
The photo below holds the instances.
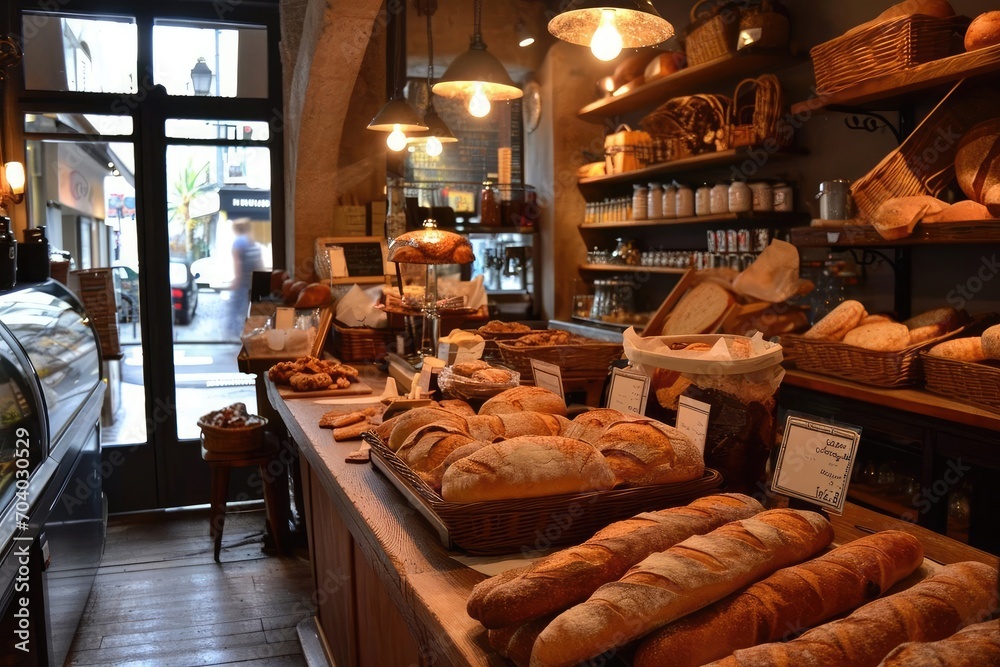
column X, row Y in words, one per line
column 684, row 578
column 515, row 643
column 933, row 609
column 790, row 600
column 646, row 452
column 568, row 577
column 974, row 646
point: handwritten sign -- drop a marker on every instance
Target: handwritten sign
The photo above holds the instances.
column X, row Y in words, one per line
column 628, row 392
column 692, row 420
column 548, row 376
column 356, row 259
column 815, row 461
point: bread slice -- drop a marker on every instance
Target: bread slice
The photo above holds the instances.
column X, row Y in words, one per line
column 699, row 311
column 884, row 337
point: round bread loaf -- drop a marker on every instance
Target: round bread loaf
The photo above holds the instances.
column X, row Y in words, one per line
column 590, row 425
column 527, row 467
column 516, row 424
column 983, row 31
column 533, row 399
column 991, row 342
column 977, row 164
column 430, row 445
column 838, row 321
column 642, row 453
column 699, row 311
column 418, row 417
column 960, row 349
column 884, row 337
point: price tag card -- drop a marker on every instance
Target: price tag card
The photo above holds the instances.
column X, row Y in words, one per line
column 692, row 420
column 338, row 262
column 815, row 461
column 628, row 392
column 284, row 318
column 548, row 376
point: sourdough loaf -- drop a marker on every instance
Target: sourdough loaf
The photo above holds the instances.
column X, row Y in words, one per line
column 516, row 424
column 977, row 164
column 412, row 420
column 973, row 646
column 933, row 609
column 884, row 337
column 836, row 323
column 963, row 211
column 434, row 476
column 791, row 599
column 521, row 398
column 960, row 349
column 430, row 445
column 527, row 467
column 983, row 31
column 568, row 577
column 671, row 584
column 646, row 452
column 590, row 425
column 895, row 218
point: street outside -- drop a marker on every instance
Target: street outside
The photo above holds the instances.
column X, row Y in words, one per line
column 207, row 377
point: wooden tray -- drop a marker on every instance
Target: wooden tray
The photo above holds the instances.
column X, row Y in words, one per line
column 531, row 524
column 356, row 389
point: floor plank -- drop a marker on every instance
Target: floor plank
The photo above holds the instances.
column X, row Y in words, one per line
column 160, row 600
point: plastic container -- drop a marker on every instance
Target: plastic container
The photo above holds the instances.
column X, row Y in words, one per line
column 640, row 202
column 719, row 201
column 670, row 200
column 685, row 202
column 703, row 200
column 655, row 201
column 740, row 197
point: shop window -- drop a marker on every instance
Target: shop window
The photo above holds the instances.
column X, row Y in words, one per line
column 85, row 124
column 208, row 59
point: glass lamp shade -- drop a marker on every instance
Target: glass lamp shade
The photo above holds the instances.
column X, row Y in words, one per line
column 431, row 245
column 477, row 67
column 637, row 21
column 436, row 127
column 201, row 78
column 397, row 112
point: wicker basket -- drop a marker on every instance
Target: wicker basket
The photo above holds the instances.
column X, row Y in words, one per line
column 976, row 384
column 531, row 524
column 354, row 344
column 232, row 440
column 627, row 150
column 689, row 125
column 890, row 46
column 490, row 350
column 712, row 33
column 756, row 112
column 836, row 359
column 467, row 389
column 764, row 24
column 587, row 359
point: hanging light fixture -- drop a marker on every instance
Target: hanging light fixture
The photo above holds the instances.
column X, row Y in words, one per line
column 397, row 117
column 437, row 132
column 477, row 76
column 524, row 36
column 608, row 26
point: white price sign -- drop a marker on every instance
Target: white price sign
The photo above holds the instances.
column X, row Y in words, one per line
column 815, row 461
column 548, row 376
column 628, row 392
column 692, row 420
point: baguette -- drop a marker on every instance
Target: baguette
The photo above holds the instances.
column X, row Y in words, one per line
column 791, row 599
column 933, row 609
column 515, row 643
column 568, row 577
column 974, row 646
column 671, row 584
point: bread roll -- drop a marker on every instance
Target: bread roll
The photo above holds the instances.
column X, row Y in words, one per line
column 877, row 318
column 963, row 211
column 699, row 311
column 590, row 425
column 895, row 218
column 983, row 31
column 990, row 342
column 671, row 584
column 642, row 453
column 427, row 447
column 791, row 599
column 314, row 295
column 527, row 467
column 924, row 334
column 973, row 646
column 416, row 418
column 933, row 609
column 568, row 577
column 960, row 349
column 530, row 398
column 885, row 337
column 836, row 323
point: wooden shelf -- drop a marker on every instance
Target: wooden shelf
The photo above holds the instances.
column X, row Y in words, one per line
column 907, row 400
column 482, row 229
column 688, row 80
column 952, row 233
column 866, row 495
column 703, row 161
column 621, row 268
column 892, row 90
column 778, row 218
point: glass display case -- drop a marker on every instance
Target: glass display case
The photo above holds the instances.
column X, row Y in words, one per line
column 22, row 419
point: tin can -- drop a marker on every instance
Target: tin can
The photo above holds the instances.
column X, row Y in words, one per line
column 743, row 240
column 761, row 239
column 732, row 241
column 699, row 260
column 712, row 246
column 734, row 261
column 720, row 241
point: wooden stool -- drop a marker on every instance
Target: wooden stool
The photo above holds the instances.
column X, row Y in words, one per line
column 275, row 480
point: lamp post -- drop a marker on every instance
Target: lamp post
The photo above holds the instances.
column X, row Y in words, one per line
column 201, row 78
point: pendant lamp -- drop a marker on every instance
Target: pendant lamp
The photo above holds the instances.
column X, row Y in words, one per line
column 437, row 132
column 608, row 26
column 397, row 117
column 477, row 76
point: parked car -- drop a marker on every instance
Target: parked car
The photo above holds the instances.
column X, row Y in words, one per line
column 183, row 292
column 126, row 281
column 215, row 272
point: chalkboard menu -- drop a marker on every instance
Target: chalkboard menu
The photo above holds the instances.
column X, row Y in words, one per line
column 353, row 259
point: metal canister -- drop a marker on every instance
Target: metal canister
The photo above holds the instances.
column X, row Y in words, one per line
column 834, row 200
column 712, row 246
column 732, row 241
column 743, row 240
column 720, row 241
column 734, row 261
column 761, row 239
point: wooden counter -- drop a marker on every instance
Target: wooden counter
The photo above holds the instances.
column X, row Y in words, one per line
column 387, row 592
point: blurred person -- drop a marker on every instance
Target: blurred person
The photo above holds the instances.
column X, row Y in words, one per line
column 246, row 260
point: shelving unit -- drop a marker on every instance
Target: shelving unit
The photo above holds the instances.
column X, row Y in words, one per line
column 858, row 236
column 777, row 218
column 622, row 268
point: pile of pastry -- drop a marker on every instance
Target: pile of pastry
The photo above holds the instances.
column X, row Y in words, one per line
column 521, row 445
column 722, row 582
column 500, row 327
column 850, row 323
column 482, row 372
column 312, row 374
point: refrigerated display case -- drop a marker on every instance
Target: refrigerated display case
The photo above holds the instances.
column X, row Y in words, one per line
column 52, row 516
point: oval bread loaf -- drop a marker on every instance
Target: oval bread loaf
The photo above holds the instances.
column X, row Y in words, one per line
column 990, row 343
column 960, row 349
column 983, row 31
column 413, row 420
column 427, row 447
column 527, row 467
column 529, row 398
column 885, row 337
column 642, row 453
column 974, row 646
column 977, row 164
column 946, row 316
column 590, row 425
column 838, row 321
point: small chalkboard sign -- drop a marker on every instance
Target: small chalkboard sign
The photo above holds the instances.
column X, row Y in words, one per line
column 355, row 259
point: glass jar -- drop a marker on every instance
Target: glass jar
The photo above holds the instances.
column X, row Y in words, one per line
column 720, row 199
column 655, row 201
column 703, row 200
column 685, row 202
column 640, row 202
column 784, row 199
column 670, row 200
column 489, row 207
column 763, row 196
column 395, row 212
column 740, row 197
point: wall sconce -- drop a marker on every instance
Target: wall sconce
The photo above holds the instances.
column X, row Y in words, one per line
column 12, row 185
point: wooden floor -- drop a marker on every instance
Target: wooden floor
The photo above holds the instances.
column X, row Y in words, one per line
column 160, row 600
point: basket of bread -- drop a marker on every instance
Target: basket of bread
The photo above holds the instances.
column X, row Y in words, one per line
column 231, row 430
column 966, row 369
column 476, row 380
column 876, row 350
column 520, row 475
column 578, row 356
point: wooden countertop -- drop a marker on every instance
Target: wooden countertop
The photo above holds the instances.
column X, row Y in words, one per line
column 428, row 586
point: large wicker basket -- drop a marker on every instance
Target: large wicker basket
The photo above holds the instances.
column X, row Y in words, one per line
column 756, row 112
column 354, row 344
column 221, row 440
column 587, row 359
column 890, row 46
column 532, row 524
column 976, row 384
column 712, row 33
